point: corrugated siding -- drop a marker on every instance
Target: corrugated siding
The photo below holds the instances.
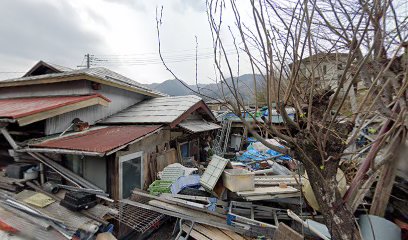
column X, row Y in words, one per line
column 120, row 99
column 80, row 87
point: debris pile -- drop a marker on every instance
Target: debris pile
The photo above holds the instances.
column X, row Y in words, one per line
column 256, row 193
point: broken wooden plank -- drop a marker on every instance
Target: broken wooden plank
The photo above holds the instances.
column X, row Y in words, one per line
column 268, row 190
column 195, row 234
column 271, row 197
column 210, row 232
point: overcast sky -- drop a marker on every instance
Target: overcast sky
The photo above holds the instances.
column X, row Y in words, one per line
column 120, row 31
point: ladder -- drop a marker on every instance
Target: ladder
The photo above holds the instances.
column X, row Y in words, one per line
column 222, row 138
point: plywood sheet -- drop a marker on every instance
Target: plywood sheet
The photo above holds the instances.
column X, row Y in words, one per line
column 39, row 200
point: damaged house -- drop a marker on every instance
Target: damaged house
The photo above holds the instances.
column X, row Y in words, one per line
column 102, row 126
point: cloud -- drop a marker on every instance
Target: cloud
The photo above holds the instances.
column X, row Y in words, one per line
column 185, row 5
column 35, row 30
column 197, row 5
column 136, row 4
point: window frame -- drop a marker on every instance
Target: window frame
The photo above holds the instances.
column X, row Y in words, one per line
column 125, row 158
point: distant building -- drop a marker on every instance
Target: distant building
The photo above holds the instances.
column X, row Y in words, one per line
column 328, row 69
column 217, row 105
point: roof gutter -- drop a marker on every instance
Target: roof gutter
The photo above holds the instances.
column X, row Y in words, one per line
column 61, row 151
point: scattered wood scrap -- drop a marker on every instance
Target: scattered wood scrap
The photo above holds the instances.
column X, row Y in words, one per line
column 214, row 233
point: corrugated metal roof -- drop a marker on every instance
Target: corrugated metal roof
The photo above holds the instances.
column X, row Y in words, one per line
column 99, row 72
column 196, row 126
column 100, row 140
column 21, row 107
column 156, row 110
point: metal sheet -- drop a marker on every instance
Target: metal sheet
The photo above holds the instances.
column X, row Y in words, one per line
column 21, row 107
column 100, row 140
column 27, row 228
column 196, row 126
column 157, row 110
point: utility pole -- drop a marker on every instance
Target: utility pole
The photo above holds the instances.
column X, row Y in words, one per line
column 88, row 61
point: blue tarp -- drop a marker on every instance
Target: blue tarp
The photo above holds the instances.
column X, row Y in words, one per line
column 185, row 181
column 254, row 155
column 275, row 153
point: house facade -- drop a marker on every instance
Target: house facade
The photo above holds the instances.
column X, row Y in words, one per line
column 97, row 124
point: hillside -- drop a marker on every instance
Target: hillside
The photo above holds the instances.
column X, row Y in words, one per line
column 245, row 85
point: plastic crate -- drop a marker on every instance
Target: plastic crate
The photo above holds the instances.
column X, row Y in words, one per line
column 160, row 186
column 237, row 180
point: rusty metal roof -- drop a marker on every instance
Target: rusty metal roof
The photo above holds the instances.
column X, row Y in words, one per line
column 21, row 107
column 100, row 140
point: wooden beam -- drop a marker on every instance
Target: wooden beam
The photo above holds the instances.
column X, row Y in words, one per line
column 60, row 110
column 9, row 139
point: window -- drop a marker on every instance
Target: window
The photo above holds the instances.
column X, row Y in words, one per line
column 130, row 173
column 324, row 69
column 185, row 149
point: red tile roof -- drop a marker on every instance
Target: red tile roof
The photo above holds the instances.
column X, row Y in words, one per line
column 21, row 107
column 101, row 140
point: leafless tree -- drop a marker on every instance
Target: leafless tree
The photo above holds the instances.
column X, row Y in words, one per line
column 277, row 39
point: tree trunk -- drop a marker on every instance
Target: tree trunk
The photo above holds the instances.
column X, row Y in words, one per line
column 337, row 215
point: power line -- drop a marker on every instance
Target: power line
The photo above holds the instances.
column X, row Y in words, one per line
column 139, row 60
